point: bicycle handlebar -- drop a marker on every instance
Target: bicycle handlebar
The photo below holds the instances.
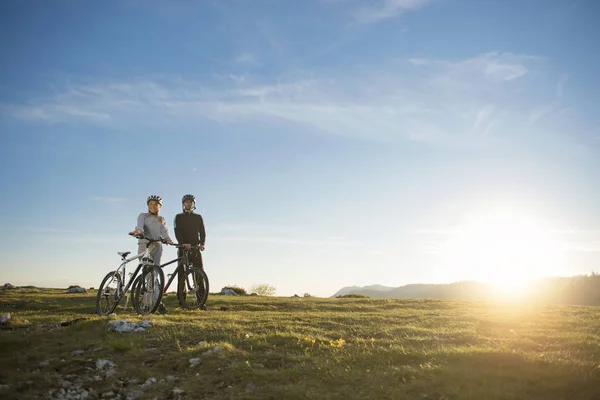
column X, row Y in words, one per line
column 150, row 241
column 181, row 246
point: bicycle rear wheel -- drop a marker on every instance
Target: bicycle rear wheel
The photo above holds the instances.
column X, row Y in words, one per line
column 109, row 294
column 192, row 288
column 147, row 290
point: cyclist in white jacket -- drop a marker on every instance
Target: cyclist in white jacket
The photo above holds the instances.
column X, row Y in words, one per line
column 153, row 226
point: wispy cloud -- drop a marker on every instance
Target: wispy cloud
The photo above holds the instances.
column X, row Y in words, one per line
column 49, row 230
column 247, row 60
column 482, row 121
column 378, row 10
column 491, row 67
column 108, row 200
column 283, row 240
column 437, row 101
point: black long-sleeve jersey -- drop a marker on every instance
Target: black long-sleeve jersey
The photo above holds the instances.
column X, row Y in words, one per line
column 189, row 228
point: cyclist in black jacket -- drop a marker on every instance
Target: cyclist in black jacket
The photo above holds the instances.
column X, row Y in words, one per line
column 189, row 230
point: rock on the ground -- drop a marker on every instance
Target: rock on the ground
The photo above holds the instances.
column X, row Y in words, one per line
column 134, row 395
column 194, row 361
column 76, row 289
column 228, row 292
column 69, row 391
column 77, row 352
column 123, row 326
column 215, row 349
column 148, row 383
column 4, row 318
column 102, row 364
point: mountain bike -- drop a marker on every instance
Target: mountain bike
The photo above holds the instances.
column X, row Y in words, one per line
column 192, row 282
column 192, row 285
column 147, row 295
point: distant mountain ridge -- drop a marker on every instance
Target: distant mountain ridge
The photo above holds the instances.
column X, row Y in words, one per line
column 357, row 289
column 583, row 289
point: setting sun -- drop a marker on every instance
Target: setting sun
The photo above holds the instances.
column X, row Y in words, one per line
column 507, row 248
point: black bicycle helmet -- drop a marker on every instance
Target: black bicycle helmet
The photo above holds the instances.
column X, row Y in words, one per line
column 188, row 197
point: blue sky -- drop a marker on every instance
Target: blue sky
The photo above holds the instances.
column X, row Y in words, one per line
column 329, row 142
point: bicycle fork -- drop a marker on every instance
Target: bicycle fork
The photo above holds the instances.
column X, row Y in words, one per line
column 127, row 295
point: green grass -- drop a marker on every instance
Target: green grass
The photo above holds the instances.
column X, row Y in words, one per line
column 307, row 348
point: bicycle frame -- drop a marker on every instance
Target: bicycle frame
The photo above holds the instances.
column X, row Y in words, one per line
column 173, row 275
column 145, row 259
column 184, row 257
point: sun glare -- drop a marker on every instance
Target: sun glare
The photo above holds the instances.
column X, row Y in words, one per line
column 507, row 248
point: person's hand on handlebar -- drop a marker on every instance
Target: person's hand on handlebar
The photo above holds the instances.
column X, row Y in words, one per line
column 136, row 232
column 201, row 247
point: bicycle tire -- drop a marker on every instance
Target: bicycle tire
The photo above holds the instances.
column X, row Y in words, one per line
column 201, row 293
column 111, row 275
column 136, row 290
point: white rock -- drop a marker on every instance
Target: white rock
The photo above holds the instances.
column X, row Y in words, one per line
column 44, row 363
column 134, row 395
column 177, row 391
column 64, row 384
column 104, row 364
column 148, row 383
column 77, row 352
column 4, row 318
column 123, row 326
column 194, row 361
column 215, row 349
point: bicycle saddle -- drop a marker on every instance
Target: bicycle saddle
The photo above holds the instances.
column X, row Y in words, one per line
column 124, row 253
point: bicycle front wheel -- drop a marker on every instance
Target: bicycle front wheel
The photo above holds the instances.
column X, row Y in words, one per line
column 147, row 290
column 192, row 289
column 109, row 294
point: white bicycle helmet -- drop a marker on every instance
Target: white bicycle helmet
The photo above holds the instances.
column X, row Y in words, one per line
column 155, row 198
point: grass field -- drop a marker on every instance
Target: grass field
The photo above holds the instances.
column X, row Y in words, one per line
column 299, row 348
